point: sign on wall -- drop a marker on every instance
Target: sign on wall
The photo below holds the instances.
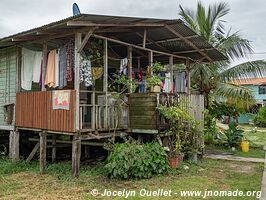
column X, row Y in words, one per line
column 61, row 99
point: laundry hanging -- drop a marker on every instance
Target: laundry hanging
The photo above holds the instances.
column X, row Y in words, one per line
column 37, row 66
column 62, row 67
column 50, row 71
column 27, row 66
column 97, row 72
column 85, row 71
column 167, row 83
column 180, row 81
column 123, row 66
column 70, row 61
column 56, row 69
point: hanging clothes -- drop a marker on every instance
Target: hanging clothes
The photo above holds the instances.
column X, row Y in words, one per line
column 50, row 70
column 85, row 71
column 62, row 67
column 27, row 60
column 37, row 66
column 56, row 69
column 167, row 83
column 123, row 66
column 180, row 81
column 70, row 61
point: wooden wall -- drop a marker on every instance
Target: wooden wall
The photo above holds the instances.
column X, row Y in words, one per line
column 8, row 69
column 34, row 110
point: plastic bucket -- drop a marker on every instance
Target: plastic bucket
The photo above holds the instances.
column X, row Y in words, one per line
column 245, row 146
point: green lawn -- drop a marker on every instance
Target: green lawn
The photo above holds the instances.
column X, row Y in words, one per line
column 22, row 180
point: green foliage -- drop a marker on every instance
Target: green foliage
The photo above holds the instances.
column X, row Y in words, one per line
column 153, row 81
column 210, row 128
column 123, row 81
column 157, row 67
column 184, row 134
column 260, row 118
column 133, row 160
column 233, row 135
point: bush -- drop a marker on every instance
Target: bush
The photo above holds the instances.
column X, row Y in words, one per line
column 132, row 160
column 260, row 118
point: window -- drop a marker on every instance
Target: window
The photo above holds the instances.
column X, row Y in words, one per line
column 262, row 89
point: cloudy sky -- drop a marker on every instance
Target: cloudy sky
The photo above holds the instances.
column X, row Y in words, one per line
column 246, row 16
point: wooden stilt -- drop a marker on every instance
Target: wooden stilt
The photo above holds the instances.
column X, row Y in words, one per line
column 87, row 151
column 14, row 145
column 53, row 148
column 76, row 153
column 43, row 143
column 105, row 82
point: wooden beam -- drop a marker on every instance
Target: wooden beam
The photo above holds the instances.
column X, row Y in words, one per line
column 43, row 143
column 76, row 153
column 85, row 40
column 53, row 148
column 138, row 47
column 76, row 82
column 44, row 64
column 172, row 40
column 86, row 23
column 33, row 152
column 144, row 37
column 14, row 145
column 171, row 64
column 97, row 144
column 193, row 51
column 153, row 42
column 129, row 55
column 105, row 81
column 188, row 42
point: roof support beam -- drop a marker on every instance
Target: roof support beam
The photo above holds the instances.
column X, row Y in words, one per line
column 193, row 51
column 138, row 47
column 85, row 40
column 152, row 41
column 188, row 42
column 86, row 23
column 144, row 38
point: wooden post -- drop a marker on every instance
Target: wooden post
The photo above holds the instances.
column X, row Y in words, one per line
column 188, row 76
column 76, row 83
column 87, row 151
column 144, row 38
column 54, row 148
column 76, row 153
column 43, row 143
column 93, row 114
column 129, row 54
column 171, row 64
column 151, row 60
column 44, row 65
column 105, row 82
column 14, row 145
column 18, row 68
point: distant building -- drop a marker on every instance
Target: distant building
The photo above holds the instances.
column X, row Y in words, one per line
column 258, row 87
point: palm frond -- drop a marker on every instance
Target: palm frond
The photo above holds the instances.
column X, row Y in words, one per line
column 188, row 16
column 234, row 46
column 234, row 93
column 251, row 69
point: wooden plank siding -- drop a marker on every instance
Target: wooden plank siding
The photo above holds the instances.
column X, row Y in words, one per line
column 144, row 115
column 34, row 110
column 8, row 70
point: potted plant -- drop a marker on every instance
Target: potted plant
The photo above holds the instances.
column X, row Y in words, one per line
column 175, row 155
column 154, row 84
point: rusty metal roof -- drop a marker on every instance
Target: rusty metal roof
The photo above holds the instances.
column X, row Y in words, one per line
column 158, row 37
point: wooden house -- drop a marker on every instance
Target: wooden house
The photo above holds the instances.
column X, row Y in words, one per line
column 87, row 112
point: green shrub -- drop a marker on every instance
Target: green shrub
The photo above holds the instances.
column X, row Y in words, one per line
column 132, row 160
column 260, row 118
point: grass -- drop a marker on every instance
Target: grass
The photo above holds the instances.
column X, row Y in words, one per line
column 21, row 180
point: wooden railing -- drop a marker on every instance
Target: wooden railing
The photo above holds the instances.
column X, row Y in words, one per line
column 34, row 110
column 102, row 112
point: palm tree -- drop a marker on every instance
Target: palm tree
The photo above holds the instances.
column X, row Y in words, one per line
column 215, row 80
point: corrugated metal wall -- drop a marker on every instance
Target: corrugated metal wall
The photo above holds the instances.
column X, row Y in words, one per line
column 8, row 65
column 34, row 110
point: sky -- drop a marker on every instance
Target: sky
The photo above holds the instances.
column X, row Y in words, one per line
column 245, row 16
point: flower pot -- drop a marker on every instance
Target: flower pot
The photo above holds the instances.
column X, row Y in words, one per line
column 156, row 89
column 174, row 162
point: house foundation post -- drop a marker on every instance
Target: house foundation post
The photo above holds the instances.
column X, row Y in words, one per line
column 76, row 153
column 14, row 145
column 43, row 145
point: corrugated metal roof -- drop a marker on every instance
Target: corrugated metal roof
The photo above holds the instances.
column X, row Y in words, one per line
column 250, row 81
column 126, row 34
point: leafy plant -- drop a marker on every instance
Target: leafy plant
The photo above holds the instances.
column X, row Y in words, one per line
column 233, row 135
column 133, row 160
column 125, row 83
column 183, row 131
column 153, row 81
column 260, row 118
